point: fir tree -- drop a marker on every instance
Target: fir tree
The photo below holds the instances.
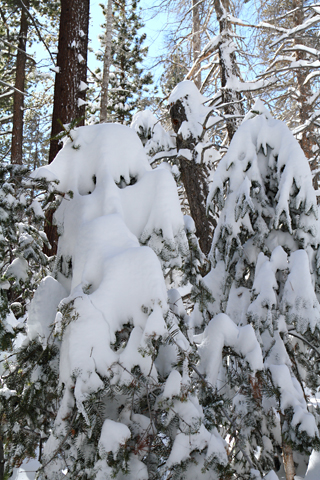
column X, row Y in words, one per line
column 128, row 84
column 265, row 273
column 22, row 266
column 126, row 397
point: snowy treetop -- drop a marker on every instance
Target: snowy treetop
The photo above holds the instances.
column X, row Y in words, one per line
column 196, row 112
column 96, row 150
column 106, row 169
column 267, row 177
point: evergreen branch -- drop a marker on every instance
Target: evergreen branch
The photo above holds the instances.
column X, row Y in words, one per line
column 305, row 341
column 225, row 413
column 63, row 441
column 223, row 410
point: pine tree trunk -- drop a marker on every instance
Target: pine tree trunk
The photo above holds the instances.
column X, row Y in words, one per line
column 196, row 40
column 194, row 177
column 307, row 140
column 68, row 93
column 1, row 460
column 287, row 454
column 288, row 462
column 106, row 66
column 72, row 64
column 18, row 98
column 228, row 69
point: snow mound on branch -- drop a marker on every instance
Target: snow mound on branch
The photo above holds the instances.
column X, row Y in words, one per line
column 299, row 301
column 153, row 136
column 107, row 171
column 193, row 101
column 222, row 331
column 42, row 310
column 113, row 434
column 314, row 466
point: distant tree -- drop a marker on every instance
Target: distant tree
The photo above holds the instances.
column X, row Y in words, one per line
column 18, row 95
column 107, row 59
column 20, row 29
column 291, row 29
column 127, row 82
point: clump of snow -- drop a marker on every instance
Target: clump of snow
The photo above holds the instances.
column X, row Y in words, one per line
column 27, row 470
column 313, row 466
column 196, row 112
column 118, row 179
column 173, row 385
column 18, row 269
column 113, row 436
column 43, row 308
column 299, row 302
column 153, row 136
column 222, row 331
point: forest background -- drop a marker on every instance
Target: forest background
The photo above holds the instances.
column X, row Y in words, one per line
column 167, row 400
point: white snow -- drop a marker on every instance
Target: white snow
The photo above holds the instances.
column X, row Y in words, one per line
column 43, row 309
column 313, row 471
column 222, row 331
column 107, row 280
column 27, row 471
column 193, row 102
column 18, row 269
column 173, row 385
column 113, row 436
column 155, row 139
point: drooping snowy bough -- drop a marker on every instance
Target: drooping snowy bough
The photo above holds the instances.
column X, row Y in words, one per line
column 265, row 257
column 128, row 405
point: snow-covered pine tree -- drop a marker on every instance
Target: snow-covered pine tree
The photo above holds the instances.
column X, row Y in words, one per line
column 22, row 266
column 128, row 82
column 128, row 404
column 265, row 273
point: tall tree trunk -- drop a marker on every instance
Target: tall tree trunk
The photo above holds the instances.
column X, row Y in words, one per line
column 18, row 98
column 70, row 82
column 194, row 177
column 106, row 66
column 228, row 70
column 196, row 39
column 307, row 140
column 69, row 92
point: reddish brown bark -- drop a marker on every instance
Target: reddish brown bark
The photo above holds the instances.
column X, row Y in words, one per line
column 72, row 64
column 194, row 177
column 18, row 98
column 288, row 462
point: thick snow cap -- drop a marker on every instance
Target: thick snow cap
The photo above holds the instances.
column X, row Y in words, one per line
column 107, row 171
